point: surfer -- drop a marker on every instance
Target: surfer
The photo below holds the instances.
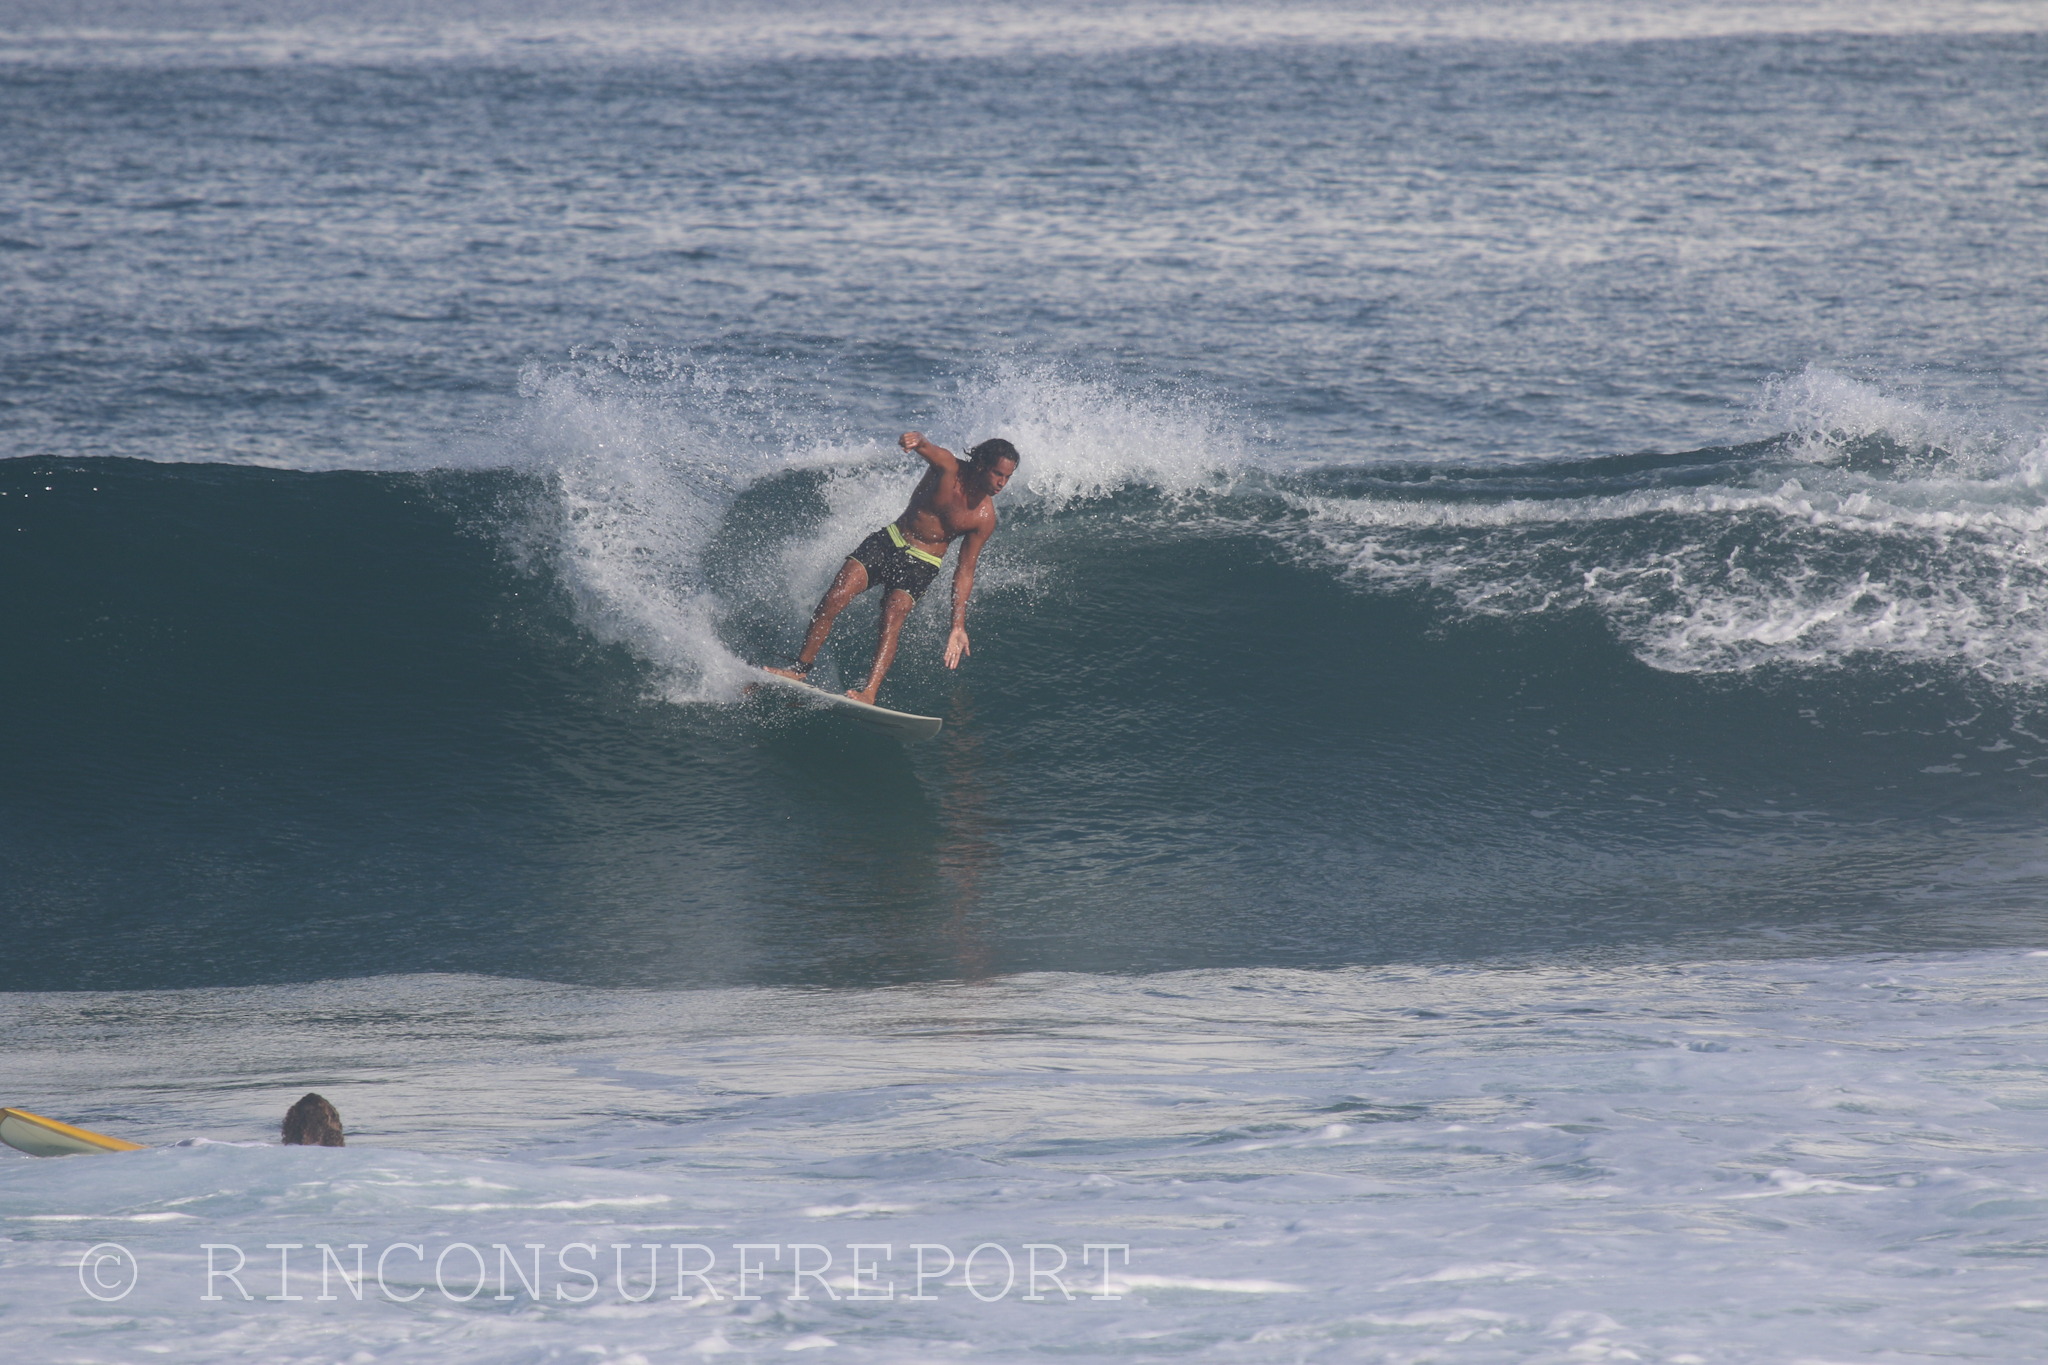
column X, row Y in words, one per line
column 953, row 501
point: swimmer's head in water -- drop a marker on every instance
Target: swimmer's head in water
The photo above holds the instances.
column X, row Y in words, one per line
column 312, row 1122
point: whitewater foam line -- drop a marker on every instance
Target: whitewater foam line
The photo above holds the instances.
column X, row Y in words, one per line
column 1791, row 500
column 1726, row 580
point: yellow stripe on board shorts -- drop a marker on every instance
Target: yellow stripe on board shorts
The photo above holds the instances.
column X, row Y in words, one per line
column 926, row 555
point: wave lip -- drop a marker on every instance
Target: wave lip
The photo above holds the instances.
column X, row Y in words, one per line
column 1873, row 526
column 694, row 518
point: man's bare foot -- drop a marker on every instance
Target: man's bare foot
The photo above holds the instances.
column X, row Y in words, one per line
column 790, row 673
column 863, row 694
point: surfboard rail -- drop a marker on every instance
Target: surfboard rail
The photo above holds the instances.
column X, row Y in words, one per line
column 38, row 1136
column 902, row 724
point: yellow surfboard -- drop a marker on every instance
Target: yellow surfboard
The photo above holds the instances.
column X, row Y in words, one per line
column 38, row 1136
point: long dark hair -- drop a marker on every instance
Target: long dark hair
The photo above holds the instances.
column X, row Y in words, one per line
column 993, row 449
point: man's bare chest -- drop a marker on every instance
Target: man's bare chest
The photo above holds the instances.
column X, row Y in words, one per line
column 948, row 512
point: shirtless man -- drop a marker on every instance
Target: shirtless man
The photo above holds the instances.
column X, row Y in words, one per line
column 954, row 501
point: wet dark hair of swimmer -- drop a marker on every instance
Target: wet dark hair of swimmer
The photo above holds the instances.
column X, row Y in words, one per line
column 312, row 1122
column 996, row 448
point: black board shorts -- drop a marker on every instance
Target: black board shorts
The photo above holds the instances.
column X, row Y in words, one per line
column 894, row 563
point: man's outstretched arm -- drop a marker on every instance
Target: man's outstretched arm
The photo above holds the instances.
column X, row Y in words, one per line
column 935, row 455
column 963, row 584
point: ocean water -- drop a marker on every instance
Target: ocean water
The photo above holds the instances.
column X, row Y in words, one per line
column 1491, row 816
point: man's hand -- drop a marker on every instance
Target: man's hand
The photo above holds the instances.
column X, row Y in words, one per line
column 911, row 440
column 956, row 647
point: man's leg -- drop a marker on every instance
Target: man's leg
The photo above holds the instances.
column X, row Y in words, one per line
column 895, row 610
column 851, row 583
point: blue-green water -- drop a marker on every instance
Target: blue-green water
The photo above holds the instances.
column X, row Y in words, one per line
column 288, row 725
column 1493, row 813
column 1339, row 615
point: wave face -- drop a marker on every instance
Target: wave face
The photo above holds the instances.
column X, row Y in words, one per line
column 276, row 725
column 416, row 414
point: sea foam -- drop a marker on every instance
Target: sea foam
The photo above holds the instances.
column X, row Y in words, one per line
column 646, row 457
column 1876, row 525
column 1812, row 1159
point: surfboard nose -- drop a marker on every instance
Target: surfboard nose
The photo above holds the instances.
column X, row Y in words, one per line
column 38, row 1136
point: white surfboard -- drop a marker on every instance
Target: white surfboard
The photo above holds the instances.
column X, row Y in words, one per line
column 38, row 1136
column 902, row 724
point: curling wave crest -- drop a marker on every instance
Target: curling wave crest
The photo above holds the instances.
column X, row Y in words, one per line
column 689, row 505
column 1873, row 526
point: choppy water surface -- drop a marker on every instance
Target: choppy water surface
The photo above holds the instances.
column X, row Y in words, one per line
column 1492, row 813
